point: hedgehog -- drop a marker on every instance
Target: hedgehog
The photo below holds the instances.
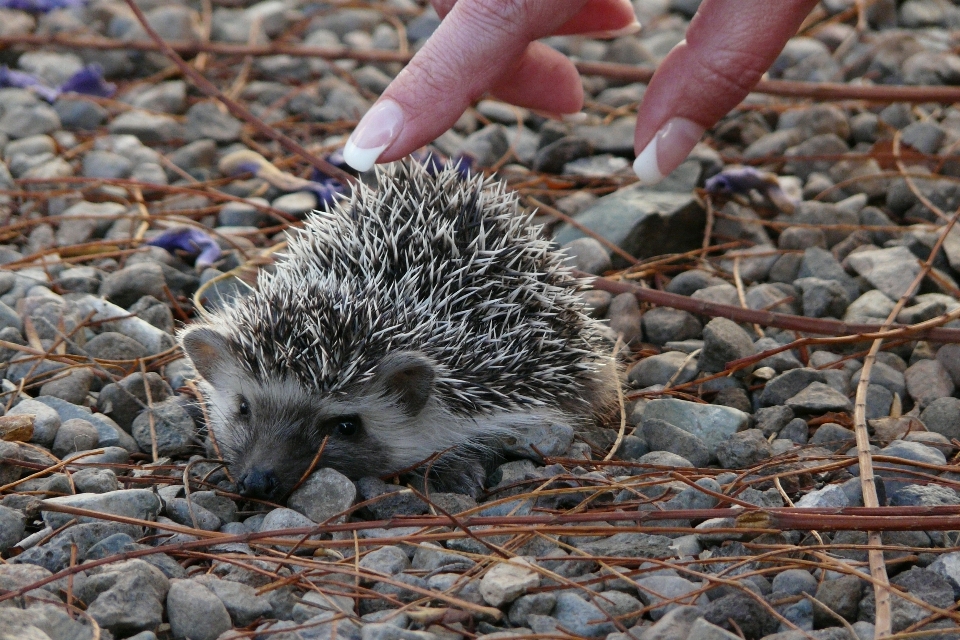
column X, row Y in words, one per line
column 422, row 318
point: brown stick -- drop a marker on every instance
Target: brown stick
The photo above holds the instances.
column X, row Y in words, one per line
column 786, row 321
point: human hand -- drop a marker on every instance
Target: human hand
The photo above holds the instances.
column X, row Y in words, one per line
column 490, row 45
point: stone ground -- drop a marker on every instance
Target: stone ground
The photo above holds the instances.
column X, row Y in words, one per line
column 116, row 523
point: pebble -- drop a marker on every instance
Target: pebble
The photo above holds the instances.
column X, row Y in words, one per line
column 711, row 423
column 662, row 325
column 928, row 380
column 724, row 341
column 133, row 503
column 323, row 495
column 662, row 368
column 743, row 450
column 588, row 255
column 75, row 435
column 817, row 398
column 172, row 429
column 195, row 611
column 506, row 581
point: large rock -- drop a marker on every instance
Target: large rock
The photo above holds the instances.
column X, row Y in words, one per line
column 713, row 424
column 646, row 221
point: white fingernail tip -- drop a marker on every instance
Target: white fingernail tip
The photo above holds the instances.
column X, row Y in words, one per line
column 645, row 166
column 361, row 159
column 574, row 118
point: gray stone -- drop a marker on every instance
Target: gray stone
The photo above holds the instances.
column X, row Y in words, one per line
column 241, row 601
column 188, row 514
column 195, row 612
column 165, row 97
column 796, row 431
column 133, row 503
column 943, row 416
column 822, row 298
column 124, row 400
column 833, row 436
column 655, row 589
column 150, row 128
column 75, row 435
column 884, row 375
column 126, row 286
column 916, row 495
column 12, row 527
column 788, row 384
column 723, row 342
column 794, row 582
column 296, row 204
column 129, row 596
column 629, row 545
column 820, row 263
column 72, row 387
column 106, row 164
column 662, row 325
column 583, row 618
column 587, row 255
column 625, row 318
column 323, row 495
column 391, row 500
column 770, row 420
column 831, row 495
column 752, row 618
column 29, row 120
column 643, row 221
column 386, row 560
column 817, row 398
column 489, row 145
column 431, row 557
column 506, row 581
column 93, row 480
column 175, row 431
column 552, row 157
column 661, row 368
column 743, row 449
column 110, row 345
column 46, row 422
column 928, row 380
column 663, row 436
column 207, row 120
column 889, row 270
column 827, row 144
column 842, row 596
column 713, row 424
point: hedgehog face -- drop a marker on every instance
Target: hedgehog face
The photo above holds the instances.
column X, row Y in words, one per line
column 270, row 432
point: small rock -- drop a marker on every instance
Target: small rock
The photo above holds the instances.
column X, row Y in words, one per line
column 819, row 398
column 625, row 318
column 663, row 367
column 713, row 424
column 587, row 255
column 175, row 431
column 662, row 325
column 507, row 581
column 928, row 380
column 743, row 450
column 842, row 596
column 133, row 503
column 323, row 495
column 723, row 342
column 195, row 612
column 75, row 435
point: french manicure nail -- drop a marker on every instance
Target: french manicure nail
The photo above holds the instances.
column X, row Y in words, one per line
column 669, row 147
column 629, row 30
column 375, row 132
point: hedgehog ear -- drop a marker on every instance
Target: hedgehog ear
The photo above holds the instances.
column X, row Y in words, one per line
column 207, row 349
column 409, row 376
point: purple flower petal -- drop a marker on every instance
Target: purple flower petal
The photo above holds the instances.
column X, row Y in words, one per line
column 740, row 180
column 24, row 80
column 41, row 6
column 191, row 240
column 327, row 191
column 89, row 81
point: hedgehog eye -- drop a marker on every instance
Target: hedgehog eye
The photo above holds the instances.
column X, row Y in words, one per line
column 346, row 426
column 244, row 407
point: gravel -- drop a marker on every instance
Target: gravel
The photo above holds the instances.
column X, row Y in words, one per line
column 112, row 406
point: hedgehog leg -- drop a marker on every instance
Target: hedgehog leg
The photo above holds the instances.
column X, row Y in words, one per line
column 462, row 471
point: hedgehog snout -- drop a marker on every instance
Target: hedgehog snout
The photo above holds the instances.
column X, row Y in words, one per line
column 259, row 483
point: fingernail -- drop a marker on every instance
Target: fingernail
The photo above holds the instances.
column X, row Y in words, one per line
column 629, row 30
column 375, row 132
column 670, row 146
